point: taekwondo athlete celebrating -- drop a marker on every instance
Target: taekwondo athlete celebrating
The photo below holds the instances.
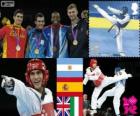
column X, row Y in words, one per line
column 35, row 100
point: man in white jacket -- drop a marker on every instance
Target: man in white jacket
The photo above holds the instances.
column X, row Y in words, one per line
column 35, row 100
column 120, row 20
column 116, row 91
column 93, row 73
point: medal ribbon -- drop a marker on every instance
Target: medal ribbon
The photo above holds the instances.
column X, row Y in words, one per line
column 52, row 36
column 74, row 33
column 17, row 37
column 38, row 40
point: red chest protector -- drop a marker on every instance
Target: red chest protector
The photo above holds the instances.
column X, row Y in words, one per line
column 99, row 80
column 47, row 110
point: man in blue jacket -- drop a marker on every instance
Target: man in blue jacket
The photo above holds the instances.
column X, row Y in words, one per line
column 56, row 33
column 38, row 43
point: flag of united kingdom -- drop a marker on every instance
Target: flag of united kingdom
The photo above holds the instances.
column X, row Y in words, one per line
column 63, row 106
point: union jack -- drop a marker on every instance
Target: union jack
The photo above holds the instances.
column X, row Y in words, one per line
column 63, row 106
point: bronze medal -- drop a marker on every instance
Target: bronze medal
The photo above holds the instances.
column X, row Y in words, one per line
column 18, row 48
column 75, row 42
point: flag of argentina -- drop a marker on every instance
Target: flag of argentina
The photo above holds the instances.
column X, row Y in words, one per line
column 69, row 68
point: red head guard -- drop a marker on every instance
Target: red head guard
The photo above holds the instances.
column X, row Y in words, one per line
column 92, row 61
column 36, row 64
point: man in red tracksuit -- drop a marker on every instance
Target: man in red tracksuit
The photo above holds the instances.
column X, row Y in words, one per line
column 14, row 37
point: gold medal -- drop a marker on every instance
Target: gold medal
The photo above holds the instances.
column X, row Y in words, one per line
column 36, row 51
column 75, row 42
column 54, row 49
column 18, row 47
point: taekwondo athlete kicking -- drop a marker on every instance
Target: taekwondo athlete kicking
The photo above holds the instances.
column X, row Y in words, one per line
column 120, row 20
column 116, row 91
column 94, row 73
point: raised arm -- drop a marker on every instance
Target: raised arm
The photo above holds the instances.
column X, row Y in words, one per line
column 114, row 11
column 17, row 88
